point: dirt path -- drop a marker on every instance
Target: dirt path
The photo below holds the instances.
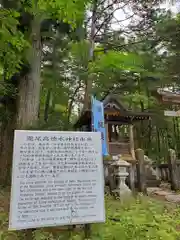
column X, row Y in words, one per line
column 164, row 194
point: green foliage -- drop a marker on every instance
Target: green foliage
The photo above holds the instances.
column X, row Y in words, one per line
column 80, row 51
column 67, row 10
column 12, row 43
column 135, row 98
column 119, row 60
column 143, row 219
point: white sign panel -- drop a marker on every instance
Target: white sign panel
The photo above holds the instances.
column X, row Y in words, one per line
column 57, row 179
column 172, row 113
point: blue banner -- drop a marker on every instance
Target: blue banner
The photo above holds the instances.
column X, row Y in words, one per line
column 98, row 122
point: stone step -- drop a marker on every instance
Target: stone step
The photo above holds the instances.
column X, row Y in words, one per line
column 165, row 194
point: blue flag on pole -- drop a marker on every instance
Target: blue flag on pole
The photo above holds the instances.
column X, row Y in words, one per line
column 98, row 122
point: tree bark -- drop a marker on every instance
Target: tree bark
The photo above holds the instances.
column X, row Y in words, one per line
column 158, row 141
column 88, row 87
column 29, row 86
column 6, row 149
column 131, row 141
column 47, row 104
column 70, row 106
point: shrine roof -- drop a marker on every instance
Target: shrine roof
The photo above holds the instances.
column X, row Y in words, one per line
column 114, row 111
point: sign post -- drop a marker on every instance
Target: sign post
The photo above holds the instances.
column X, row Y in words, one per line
column 172, row 113
column 98, row 122
column 57, row 179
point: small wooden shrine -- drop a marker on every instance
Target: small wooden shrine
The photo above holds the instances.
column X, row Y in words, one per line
column 119, row 126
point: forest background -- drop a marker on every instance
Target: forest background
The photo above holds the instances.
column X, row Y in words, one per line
column 55, row 54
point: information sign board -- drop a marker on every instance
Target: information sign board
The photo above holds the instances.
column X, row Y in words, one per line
column 57, row 179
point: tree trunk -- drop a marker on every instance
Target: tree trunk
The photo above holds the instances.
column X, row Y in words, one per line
column 142, row 110
column 149, row 136
column 47, row 103
column 131, row 141
column 70, row 105
column 29, row 86
column 158, row 141
column 7, row 135
column 174, row 134
column 88, row 87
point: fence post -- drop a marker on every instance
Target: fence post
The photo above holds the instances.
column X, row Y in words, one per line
column 29, row 233
column 87, row 231
column 141, row 173
column 173, row 170
column 111, row 178
column 132, row 169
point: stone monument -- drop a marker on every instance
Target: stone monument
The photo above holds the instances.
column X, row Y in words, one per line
column 121, row 173
column 152, row 177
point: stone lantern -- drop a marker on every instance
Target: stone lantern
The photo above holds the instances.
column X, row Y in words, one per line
column 121, row 173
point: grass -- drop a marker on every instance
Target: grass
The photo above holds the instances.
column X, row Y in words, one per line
column 135, row 219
